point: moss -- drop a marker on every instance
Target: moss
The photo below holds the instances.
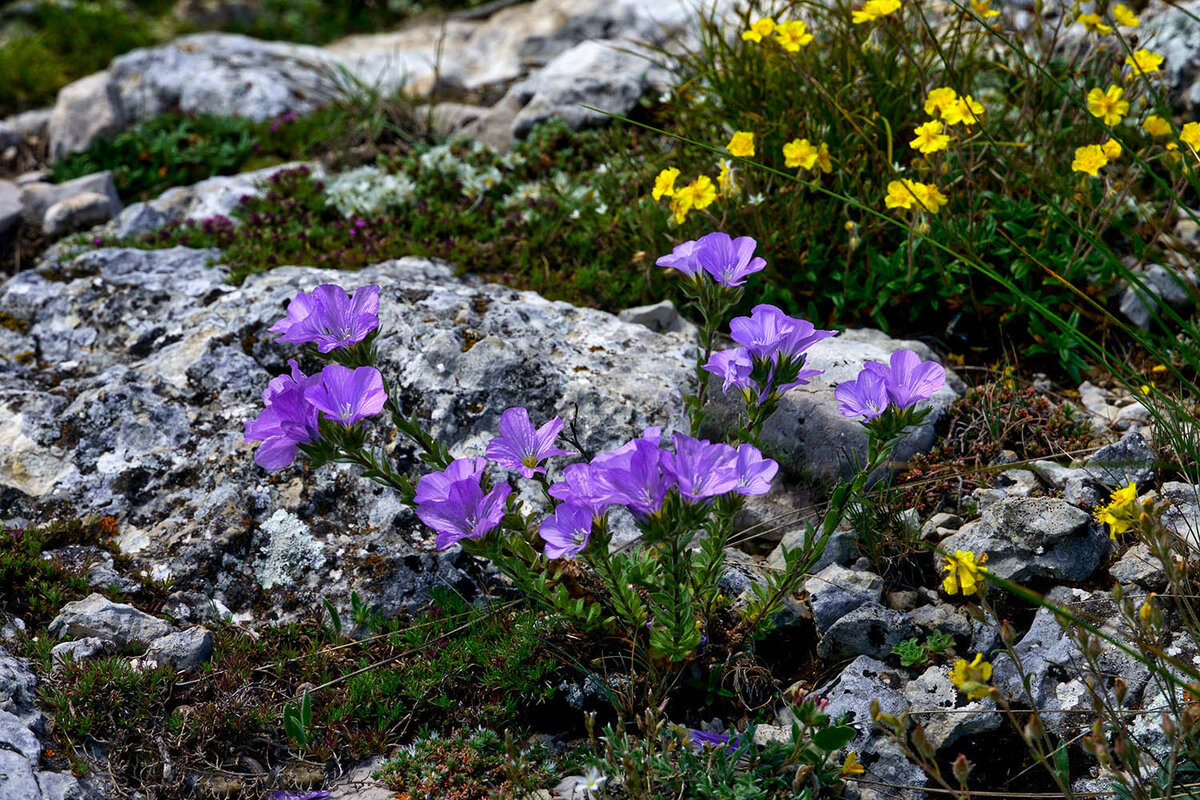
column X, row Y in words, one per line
column 427, row 673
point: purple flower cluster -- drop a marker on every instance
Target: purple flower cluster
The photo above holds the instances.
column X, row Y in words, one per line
column 727, row 260
column 698, row 739
column 638, row 476
column 294, row 404
column 454, row 504
column 902, row 383
column 770, row 356
column 330, row 318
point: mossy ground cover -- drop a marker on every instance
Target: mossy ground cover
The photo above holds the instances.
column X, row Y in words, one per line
column 179, row 735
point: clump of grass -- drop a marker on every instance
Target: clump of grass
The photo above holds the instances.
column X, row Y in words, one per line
column 34, row 587
column 427, row 673
column 48, row 45
column 469, row 764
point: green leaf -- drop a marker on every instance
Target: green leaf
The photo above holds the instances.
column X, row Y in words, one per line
column 834, row 738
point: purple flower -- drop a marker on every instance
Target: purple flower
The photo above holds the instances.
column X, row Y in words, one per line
column 634, row 474
column 754, row 473
column 866, row 396
column 734, row 367
column 465, row 512
column 520, row 447
column 282, row 794
column 683, row 258
column 729, row 261
column 699, row 739
column 909, row 380
column 700, row 469
column 435, row 486
column 287, row 421
column 330, row 318
column 768, row 333
column 348, row 395
column 566, row 532
column 584, row 485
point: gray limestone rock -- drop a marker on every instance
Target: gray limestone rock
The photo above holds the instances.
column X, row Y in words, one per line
column 38, row 198
column 183, row 650
column 1183, row 513
column 119, row 623
column 836, row 591
column 86, row 110
column 77, row 213
column 851, row 693
column 1034, row 538
column 1174, row 33
column 1138, row 566
column 932, row 695
column 1129, row 460
column 870, row 629
column 10, row 205
column 81, row 650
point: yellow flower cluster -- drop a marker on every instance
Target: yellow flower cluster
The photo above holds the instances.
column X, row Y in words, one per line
column 1144, row 62
column 698, row 194
column 908, row 194
column 954, row 110
column 965, row 573
column 790, row 35
column 742, row 144
column 1119, row 513
column 972, row 679
column 983, row 8
column 875, row 9
column 1110, row 107
column 1190, row 135
column 804, row 154
column 1090, row 158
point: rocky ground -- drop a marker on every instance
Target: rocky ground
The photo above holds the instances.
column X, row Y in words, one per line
column 126, row 376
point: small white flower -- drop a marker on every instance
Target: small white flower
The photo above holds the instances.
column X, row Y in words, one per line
column 756, row 198
column 602, row 208
column 593, row 780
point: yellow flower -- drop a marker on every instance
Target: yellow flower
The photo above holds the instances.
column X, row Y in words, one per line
column 792, row 35
column 1117, row 514
column 800, row 153
column 1111, row 149
column 965, row 110
column 824, row 162
column 1190, row 135
column 725, row 181
column 984, row 9
column 1089, row 159
column 664, row 184
column 698, row 194
column 939, row 99
column 1156, row 125
column 1124, row 16
column 1092, row 23
column 851, row 765
column 1144, row 62
column 762, row 27
column 905, row 194
column 965, row 571
column 742, row 144
column 1110, row 106
column 929, row 137
column 874, row 9
column 972, row 679
column 1145, row 389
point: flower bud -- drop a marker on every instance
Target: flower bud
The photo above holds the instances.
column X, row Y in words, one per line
column 962, row 768
column 1168, row 726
